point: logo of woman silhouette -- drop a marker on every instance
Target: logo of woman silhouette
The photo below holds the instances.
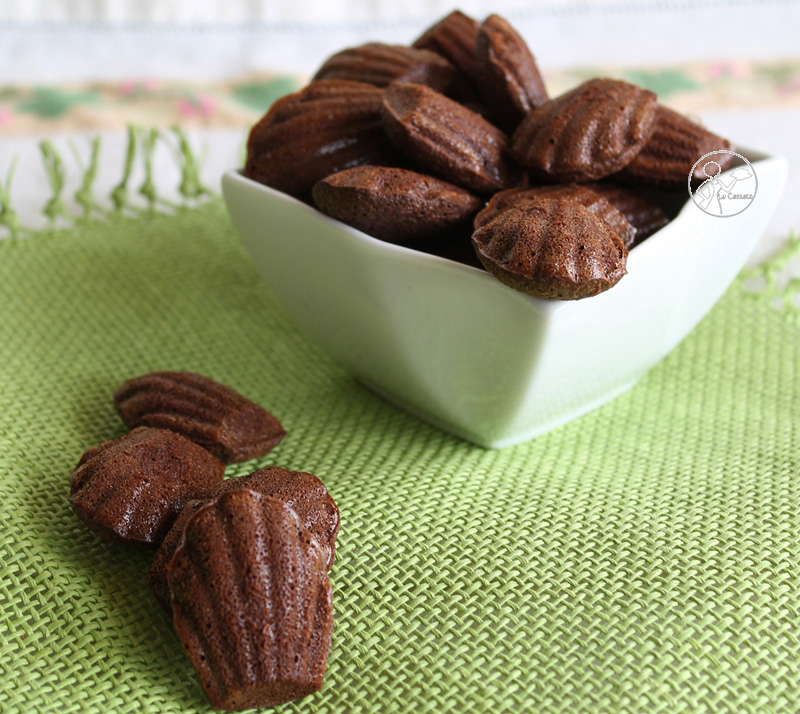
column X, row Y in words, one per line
column 726, row 195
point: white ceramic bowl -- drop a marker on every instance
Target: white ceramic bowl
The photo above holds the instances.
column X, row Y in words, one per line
column 452, row 345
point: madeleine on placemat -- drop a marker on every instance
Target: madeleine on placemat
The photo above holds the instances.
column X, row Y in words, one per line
column 251, row 601
column 130, row 490
column 304, row 492
column 221, row 420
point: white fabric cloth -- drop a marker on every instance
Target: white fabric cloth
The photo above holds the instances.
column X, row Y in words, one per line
column 46, row 49
column 308, row 11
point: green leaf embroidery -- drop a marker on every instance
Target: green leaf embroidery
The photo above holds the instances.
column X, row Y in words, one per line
column 779, row 73
column 49, row 103
column 663, row 83
column 260, row 95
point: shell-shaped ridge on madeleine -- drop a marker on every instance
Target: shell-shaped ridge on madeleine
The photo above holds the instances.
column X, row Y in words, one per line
column 381, row 64
column 448, row 139
column 581, row 193
column 551, row 248
column 211, row 414
column 301, row 491
column 251, row 601
column 645, row 216
column 669, row 155
column 393, row 204
column 337, row 98
column 328, row 126
column 454, row 38
column 130, row 490
column 588, row 133
column 508, row 75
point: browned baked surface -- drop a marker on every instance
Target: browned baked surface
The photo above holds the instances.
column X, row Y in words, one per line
column 448, row 139
column 328, row 126
column 668, row 156
column 587, row 133
column 380, row 64
column 303, row 492
column 251, row 602
column 508, row 77
column 453, row 37
column 644, row 215
column 157, row 572
column 396, row 205
column 230, row 426
column 551, row 248
column 130, row 490
column 581, row 193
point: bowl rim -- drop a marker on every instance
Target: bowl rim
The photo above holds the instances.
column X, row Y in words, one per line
column 368, row 242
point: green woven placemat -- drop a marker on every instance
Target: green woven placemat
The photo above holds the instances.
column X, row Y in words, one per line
column 643, row 558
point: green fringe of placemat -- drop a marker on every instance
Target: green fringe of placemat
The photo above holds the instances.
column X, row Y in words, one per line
column 140, row 147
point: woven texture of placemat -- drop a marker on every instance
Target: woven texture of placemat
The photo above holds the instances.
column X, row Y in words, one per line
column 643, row 558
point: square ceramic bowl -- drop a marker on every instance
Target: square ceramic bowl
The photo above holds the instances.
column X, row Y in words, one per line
column 452, row 345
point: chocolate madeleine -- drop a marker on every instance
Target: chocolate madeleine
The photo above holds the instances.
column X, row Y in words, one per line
column 395, row 205
column 581, row 193
column 328, row 126
column 157, row 572
column 380, row 64
column 130, row 490
column 677, row 143
column 447, row 139
column 221, row 420
column 508, row 77
column 303, row 492
column 551, row 248
column 251, row 602
column 586, row 134
column 454, row 38
column 644, row 215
